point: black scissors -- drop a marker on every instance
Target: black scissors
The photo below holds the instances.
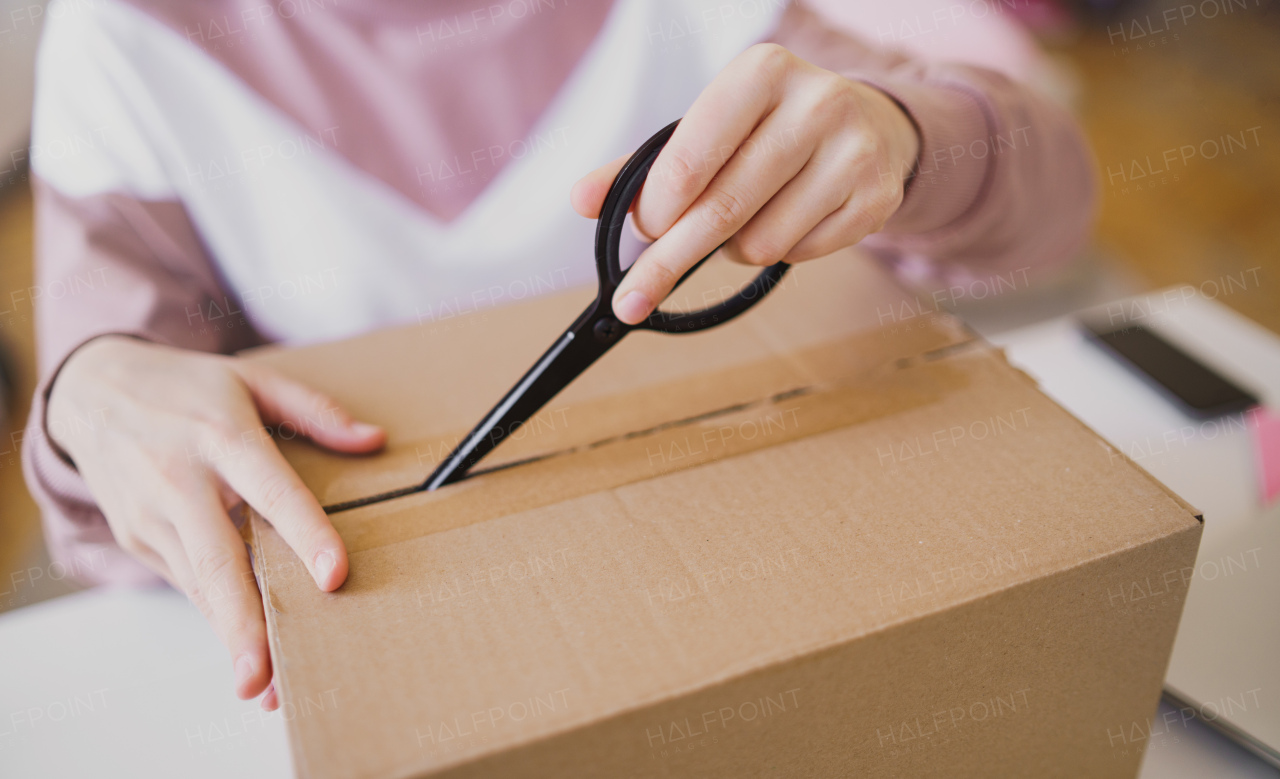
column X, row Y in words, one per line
column 597, row 330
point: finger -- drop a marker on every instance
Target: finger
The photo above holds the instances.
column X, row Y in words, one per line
column 171, row 560
column 863, row 214
column 819, row 189
column 149, row 556
column 271, row 700
column 716, row 125
column 285, row 402
column 252, row 668
column 214, row 567
column 116, row 507
column 734, row 197
column 587, row 196
column 262, row 476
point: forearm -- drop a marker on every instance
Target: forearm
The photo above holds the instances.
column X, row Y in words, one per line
column 1004, row 179
column 107, row 264
column 1004, row 182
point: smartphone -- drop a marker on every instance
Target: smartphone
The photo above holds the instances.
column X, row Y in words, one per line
column 1198, row 389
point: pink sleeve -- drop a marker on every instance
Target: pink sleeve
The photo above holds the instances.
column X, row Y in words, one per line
column 1004, row 183
column 110, row 264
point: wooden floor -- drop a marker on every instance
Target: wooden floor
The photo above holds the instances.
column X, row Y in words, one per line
column 1212, row 223
column 20, row 541
column 1169, row 215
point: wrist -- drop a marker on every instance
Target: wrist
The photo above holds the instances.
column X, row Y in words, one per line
column 898, row 131
column 66, row 396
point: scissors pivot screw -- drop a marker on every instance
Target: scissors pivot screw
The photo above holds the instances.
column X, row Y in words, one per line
column 608, row 329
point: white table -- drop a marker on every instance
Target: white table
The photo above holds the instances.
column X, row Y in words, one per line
column 120, row 683
column 134, row 684
column 1210, row 464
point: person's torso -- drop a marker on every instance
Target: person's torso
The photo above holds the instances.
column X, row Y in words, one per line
column 326, row 218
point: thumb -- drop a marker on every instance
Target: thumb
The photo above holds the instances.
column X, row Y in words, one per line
column 587, row 196
column 281, row 401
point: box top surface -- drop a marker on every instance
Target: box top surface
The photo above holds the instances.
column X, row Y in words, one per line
column 842, row 460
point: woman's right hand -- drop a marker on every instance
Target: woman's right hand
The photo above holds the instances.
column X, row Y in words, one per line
column 182, row 441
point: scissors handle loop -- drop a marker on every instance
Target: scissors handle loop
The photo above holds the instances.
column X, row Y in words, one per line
column 609, row 228
column 596, row 330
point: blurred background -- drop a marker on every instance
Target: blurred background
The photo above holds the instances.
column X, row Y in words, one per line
column 1143, row 78
column 1147, row 79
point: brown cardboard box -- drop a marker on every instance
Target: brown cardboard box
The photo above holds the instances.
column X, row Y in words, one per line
column 839, row 536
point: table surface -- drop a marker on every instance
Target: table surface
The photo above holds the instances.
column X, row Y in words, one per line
column 121, row 683
column 1209, row 464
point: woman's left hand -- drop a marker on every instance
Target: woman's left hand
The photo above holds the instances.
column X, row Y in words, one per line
column 792, row 161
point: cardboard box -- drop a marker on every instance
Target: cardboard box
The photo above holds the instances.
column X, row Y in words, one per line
column 839, row 536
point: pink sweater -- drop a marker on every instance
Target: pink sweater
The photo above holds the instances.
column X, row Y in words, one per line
column 422, row 108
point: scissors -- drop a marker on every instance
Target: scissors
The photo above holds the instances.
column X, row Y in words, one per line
column 597, row 330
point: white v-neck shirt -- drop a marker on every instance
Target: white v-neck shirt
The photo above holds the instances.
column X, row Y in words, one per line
column 180, row 126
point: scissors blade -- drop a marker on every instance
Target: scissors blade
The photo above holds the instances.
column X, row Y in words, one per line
column 568, row 357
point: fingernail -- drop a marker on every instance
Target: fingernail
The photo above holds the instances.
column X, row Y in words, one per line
column 325, row 563
column 244, row 669
column 633, row 307
column 365, row 429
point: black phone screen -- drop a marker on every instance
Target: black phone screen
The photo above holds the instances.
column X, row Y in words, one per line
column 1198, row 389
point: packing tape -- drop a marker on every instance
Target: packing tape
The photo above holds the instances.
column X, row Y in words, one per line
column 567, row 422
column 607, row 464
